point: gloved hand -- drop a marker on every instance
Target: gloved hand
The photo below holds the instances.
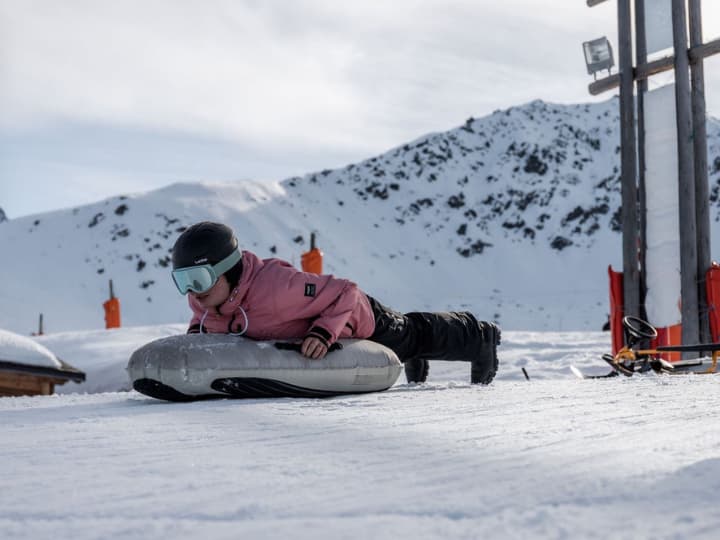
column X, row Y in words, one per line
column 287, row 346
column 313, row 347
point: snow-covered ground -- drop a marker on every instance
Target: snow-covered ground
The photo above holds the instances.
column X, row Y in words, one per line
column 553, row 457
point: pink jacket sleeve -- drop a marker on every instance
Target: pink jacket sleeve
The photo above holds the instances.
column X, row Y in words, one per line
column 325, row 301
column 333, row 319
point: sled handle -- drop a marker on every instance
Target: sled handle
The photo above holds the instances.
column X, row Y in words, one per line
column 290, row 346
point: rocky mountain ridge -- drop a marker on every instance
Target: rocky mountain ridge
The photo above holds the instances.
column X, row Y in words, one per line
column 514, row 216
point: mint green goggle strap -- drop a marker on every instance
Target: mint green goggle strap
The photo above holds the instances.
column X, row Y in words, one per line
column 227, row 263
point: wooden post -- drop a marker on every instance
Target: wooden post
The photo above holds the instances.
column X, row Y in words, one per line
column 694, row 204
column 702, row 188
column 686, row 179
column 631, row 278
column 641, row 59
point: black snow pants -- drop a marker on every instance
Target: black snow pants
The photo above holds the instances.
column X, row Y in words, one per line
column 454, row 335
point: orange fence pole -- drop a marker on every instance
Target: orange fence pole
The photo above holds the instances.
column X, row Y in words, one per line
column 616, row 309
column 112, row 310
column 312, row 260
column 712, row 285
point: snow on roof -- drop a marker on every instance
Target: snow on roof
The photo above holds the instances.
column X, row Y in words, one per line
column 23, row 350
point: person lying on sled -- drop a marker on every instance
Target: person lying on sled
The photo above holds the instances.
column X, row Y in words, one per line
column 234, row 291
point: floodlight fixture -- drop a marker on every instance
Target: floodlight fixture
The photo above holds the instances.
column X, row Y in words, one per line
column 598, row 55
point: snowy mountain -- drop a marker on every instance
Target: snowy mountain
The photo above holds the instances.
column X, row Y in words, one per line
column 513, row 216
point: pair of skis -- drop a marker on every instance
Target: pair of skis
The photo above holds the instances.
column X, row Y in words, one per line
column 642, row 365
column 631, row 359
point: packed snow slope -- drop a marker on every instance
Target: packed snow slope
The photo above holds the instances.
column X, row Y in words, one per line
column 553, row 457
column 514, row 216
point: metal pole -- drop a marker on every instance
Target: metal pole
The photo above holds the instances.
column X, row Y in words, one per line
column 112, row 293
column 641, row 59
column 702, row 188
column 631, row 285
column 686, row 179
column 40, row 325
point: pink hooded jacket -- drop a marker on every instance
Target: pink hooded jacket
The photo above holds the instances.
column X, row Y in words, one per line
column 274, row 300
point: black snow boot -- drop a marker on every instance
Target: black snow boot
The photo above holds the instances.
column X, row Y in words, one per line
column 485, row 364
column 416, row 371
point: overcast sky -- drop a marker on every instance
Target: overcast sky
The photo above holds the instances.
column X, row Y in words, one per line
column 102, row 97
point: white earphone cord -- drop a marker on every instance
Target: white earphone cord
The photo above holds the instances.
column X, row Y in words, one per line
column 247, row 323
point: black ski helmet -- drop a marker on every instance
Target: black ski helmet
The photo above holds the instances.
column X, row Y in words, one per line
column 203, row 243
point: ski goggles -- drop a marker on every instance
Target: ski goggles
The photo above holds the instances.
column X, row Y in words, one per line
column 202, row 278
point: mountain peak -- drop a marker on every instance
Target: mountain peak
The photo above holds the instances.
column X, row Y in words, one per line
column 514, row 216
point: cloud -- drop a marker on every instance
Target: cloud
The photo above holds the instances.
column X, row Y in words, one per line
column 222, row 72
column 314, row 70
column 260, row 69
column 339, row 79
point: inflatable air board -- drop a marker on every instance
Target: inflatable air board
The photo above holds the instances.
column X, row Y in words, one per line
column 202, row 366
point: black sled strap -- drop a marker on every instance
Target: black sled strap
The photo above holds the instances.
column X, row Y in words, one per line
column 289, row 346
